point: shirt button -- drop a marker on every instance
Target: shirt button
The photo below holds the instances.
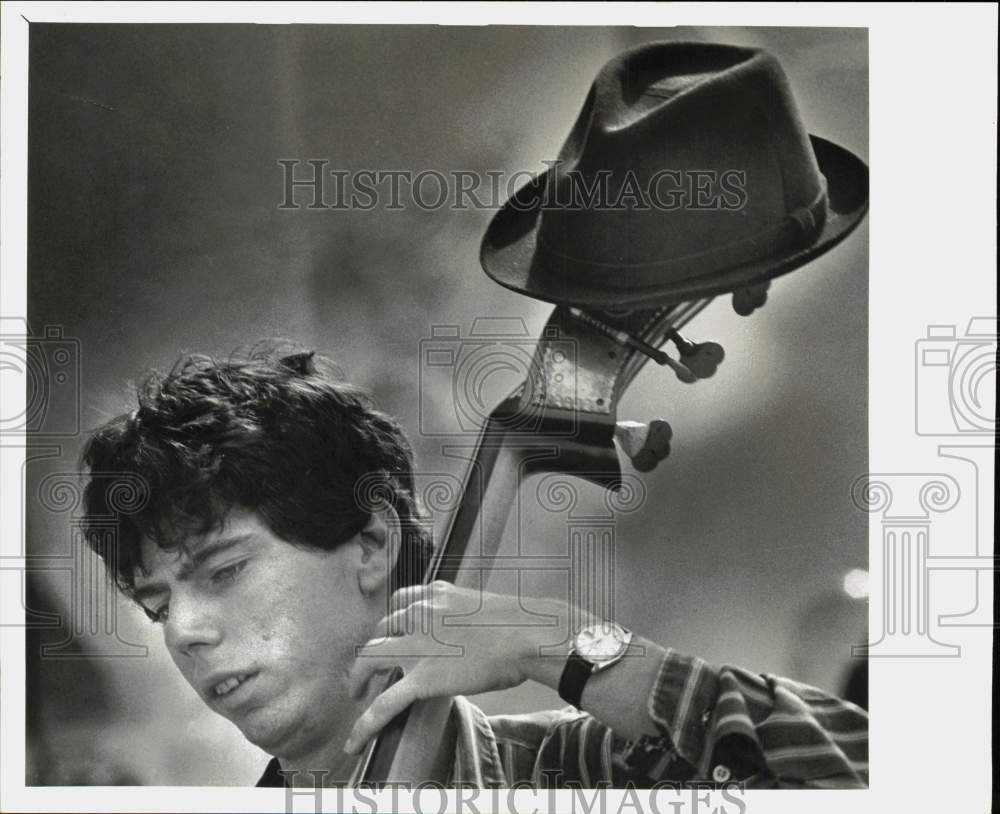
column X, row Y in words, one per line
column 721, row 774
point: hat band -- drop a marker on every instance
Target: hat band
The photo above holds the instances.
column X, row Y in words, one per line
column 798, row 228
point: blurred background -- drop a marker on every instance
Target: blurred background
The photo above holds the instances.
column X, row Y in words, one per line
column 154, row 229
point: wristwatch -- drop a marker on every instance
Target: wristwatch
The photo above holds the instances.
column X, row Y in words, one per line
column 595, row 648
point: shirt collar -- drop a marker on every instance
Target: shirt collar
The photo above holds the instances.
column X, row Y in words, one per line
column 477, row 759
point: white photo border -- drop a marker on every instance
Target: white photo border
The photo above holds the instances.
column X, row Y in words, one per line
column 932, row 261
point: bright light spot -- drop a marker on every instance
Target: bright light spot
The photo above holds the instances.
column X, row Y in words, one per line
column 856, row 583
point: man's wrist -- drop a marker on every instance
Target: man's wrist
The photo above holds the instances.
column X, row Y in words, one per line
column 543, row 663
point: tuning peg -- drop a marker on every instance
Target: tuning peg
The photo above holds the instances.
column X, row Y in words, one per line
column 645, row 444
column 705, row 359
column 749, row 299
column 643, row 347
column 682, row 371
column 701, row 358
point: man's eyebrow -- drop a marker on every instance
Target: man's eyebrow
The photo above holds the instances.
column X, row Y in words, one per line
column 195, row 561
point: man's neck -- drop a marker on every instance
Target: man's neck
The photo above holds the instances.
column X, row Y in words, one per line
column 338, row 770
column 326, row 764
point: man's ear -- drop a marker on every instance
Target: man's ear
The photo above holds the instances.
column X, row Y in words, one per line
column 379, row 543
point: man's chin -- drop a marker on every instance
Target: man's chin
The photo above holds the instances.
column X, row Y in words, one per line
column 267, row 730
column 281, row 732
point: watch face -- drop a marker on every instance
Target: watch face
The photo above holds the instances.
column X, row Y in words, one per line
column 601, row 643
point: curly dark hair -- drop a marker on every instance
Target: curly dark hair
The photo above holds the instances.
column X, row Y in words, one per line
column 276, row 433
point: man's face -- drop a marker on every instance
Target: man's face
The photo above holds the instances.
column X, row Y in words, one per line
column 264, row 631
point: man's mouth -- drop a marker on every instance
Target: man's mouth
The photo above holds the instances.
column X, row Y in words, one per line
column 229, row 686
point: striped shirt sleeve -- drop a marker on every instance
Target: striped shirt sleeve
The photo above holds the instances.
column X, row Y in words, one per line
column 762, row 729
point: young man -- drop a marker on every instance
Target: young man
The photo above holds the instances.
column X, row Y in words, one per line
column 282, row 596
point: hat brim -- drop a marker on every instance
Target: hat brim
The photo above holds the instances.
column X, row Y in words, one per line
column 508, row 251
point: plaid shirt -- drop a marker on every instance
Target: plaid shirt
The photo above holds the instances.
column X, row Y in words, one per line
column 718, row 725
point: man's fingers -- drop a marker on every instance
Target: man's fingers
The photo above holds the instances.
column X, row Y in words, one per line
column 376, row 655
column 418, row 593
column 380, row 712
column 415, row 618
column 407, row 596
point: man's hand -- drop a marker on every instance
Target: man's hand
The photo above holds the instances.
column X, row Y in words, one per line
column 453, row 641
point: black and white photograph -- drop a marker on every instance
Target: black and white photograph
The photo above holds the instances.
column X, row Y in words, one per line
column 484, row 406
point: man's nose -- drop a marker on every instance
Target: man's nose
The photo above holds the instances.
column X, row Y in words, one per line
column 191, row 624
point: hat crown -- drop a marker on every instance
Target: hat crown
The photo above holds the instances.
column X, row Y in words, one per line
column 684, row 147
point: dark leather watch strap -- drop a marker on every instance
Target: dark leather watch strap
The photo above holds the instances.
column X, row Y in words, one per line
column 574, row 678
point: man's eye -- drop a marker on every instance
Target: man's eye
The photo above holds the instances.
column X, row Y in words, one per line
column 158, row 616
column 228, row 574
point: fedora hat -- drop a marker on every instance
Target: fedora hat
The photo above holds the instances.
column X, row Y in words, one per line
column 688, row 173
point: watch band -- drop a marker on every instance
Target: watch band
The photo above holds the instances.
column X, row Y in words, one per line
column 584, row 660
column 574, row 678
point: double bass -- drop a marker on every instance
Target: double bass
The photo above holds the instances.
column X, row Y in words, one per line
column 626, row 282
column 562, row 419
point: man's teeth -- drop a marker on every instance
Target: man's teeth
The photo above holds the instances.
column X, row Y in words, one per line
column 229, row 684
